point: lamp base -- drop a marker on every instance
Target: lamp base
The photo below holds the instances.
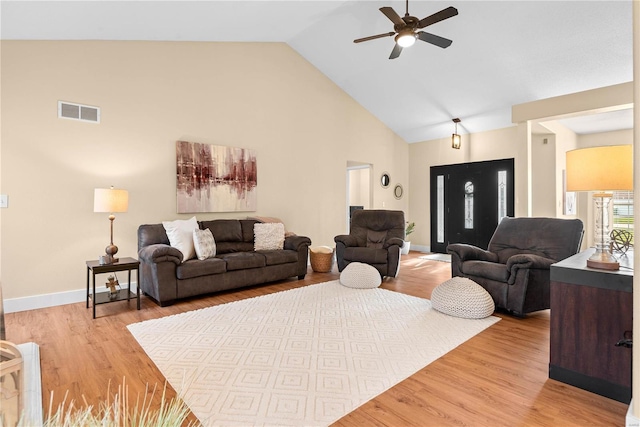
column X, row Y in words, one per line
column 603, row 261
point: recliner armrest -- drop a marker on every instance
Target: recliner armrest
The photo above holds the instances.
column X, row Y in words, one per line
column 346, row 240
column 393, row 241
column 294, row 242
column 468, row 252
column 526, row 261
column 160, row 253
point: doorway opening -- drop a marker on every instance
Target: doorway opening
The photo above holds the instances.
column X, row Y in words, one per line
column 359, row 189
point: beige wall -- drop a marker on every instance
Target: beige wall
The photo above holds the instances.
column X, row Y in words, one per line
column 262, row 96
column 543, row 161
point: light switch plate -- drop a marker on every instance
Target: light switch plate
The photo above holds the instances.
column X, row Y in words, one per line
column 4, row 201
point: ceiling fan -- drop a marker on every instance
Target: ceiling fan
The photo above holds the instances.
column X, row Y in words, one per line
column 406, row 27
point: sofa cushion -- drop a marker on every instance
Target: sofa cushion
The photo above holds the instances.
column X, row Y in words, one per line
column 375, row 239
column 230, row 247
column 279, row 257
column 204, row 244
column 268, row 236
column 224, row 230
column 197, row 268
column 180, row 234
column 243, row 260
column 366, row 255
column 462, row 297
column 247, row 229
column 360, row 276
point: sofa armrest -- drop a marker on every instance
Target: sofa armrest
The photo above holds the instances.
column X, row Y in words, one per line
column 467, row 252
column 160, row 253
column 294, row 242
column 526, row 261
column 393, row 241
column 346, row 239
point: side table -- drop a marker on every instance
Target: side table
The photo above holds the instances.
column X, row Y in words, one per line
column 591, row 318
column 123, row 264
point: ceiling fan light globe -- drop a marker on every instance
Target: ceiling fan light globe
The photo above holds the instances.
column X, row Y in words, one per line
column 406, row 39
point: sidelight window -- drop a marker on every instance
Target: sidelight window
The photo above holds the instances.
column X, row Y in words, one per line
column 468, row 205
column 502, row 195
column 440, row 209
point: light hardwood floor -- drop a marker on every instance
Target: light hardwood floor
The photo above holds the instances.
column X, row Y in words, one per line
column 497, row 378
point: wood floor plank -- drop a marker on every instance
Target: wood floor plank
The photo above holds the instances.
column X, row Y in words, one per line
column 497, row 378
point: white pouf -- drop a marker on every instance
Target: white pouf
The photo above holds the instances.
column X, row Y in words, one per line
column 360, row 276
column 462, row 297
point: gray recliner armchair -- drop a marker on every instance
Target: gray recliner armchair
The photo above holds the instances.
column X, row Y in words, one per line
column 515, row 269
column 375, row 238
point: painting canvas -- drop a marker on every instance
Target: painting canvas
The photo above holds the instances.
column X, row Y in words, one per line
column 215, row 178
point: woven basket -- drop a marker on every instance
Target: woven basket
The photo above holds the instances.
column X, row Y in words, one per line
column 321, row 258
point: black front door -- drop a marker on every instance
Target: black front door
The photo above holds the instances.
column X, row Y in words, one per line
column 468, row 200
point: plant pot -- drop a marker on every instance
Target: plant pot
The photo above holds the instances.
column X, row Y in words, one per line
column 405, row 248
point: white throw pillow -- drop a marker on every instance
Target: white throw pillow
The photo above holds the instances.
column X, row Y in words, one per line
column 268, row 236
column 204, row 243
column 180, row 234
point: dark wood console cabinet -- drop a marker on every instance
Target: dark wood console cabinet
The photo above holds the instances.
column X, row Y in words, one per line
column 590, row 312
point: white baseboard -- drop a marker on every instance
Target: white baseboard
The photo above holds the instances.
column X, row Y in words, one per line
column 421, row 248
column 34, row 302
column 631, row 420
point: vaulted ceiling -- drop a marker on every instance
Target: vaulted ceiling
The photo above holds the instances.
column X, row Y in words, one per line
column 503, row 52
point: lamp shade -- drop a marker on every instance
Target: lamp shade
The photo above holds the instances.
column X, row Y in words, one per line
column 110, row 200
column 605, row 168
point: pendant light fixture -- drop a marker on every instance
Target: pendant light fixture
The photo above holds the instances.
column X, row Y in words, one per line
column 455, row 138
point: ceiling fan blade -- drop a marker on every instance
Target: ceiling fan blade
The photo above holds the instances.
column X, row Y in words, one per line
column 392, row 15
column 397, row 50
column 433, row 39
column 438, row 16
column 378, row 36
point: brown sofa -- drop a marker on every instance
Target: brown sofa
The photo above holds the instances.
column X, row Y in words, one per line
column 165, row 278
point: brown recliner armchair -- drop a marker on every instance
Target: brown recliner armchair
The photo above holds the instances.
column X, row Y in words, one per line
column 375, row 238
column 515, row 267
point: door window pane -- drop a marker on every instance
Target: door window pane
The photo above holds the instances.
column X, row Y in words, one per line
column 440, row 209
column 468, row 205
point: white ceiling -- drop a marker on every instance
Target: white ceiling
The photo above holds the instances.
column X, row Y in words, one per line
column 503, row 52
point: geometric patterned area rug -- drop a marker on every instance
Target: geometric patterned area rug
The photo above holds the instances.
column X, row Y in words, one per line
column 302, row 357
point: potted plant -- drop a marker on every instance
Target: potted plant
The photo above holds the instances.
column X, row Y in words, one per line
column 407, row 244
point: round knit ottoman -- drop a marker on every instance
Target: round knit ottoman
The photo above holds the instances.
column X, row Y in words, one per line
column 360, row 276
column 462, row 297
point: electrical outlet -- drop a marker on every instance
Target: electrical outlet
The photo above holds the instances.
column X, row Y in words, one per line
column 4, row 201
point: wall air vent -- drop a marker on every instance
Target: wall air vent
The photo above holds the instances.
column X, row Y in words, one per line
column 86, row 113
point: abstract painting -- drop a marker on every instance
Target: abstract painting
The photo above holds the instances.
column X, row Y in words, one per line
column 215, row 178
